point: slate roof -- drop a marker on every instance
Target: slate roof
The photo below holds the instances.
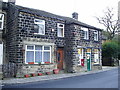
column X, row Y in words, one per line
column 68, row 20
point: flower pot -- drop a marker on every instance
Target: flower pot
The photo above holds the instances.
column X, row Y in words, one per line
column 33, row 75
column 26, row 75
column 56, row 71
column 48, row 73
column 47, row 62
column 30, row 62
column 40, row 74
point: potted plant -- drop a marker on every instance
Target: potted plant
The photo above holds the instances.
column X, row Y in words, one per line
column 55, row 71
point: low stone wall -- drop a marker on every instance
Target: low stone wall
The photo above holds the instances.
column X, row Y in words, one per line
column 19, row 70
column 29, row 69
column 9, row 70
column 96, row 67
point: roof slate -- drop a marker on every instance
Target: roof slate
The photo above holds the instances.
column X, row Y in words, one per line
column 68, row 20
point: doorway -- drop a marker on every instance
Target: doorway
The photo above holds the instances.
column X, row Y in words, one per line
column 60, row 57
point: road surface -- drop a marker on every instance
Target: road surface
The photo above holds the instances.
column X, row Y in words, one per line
column 106, row 79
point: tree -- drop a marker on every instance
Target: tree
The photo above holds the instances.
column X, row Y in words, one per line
column 109, row 22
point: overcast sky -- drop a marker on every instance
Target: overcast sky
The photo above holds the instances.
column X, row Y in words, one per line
column 86, row 9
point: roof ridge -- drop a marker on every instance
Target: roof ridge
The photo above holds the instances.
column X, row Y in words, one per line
column 51, row 15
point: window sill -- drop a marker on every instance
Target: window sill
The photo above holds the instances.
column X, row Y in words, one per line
column 86, row 40
column 43, row 63
column 96, row 64
column 96, row 40
column 38, row 34
column 60, row 37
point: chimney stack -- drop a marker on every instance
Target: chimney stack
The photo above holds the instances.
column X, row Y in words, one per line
column 12, row 1
column 75, row 16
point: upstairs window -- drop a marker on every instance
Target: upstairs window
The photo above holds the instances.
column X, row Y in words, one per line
column 85, row 33
column 96, row 35
column 39, row 27
column 60, row 30
column 1, row 21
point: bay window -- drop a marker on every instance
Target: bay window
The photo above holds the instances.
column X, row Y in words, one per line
column 38, row 54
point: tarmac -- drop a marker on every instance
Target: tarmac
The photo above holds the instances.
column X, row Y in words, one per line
column 50, row 77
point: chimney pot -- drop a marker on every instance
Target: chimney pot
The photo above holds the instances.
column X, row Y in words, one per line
column 12, row 1
column 75, row 16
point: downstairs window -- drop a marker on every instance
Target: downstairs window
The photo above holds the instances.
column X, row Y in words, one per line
column 36, row 54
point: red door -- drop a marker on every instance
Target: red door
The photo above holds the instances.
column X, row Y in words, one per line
column 60, row 58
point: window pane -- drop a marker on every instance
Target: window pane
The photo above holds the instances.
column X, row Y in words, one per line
column 46, row 48
column 36, row 28
column 60, row 25
column 1, row 16
column 96, row 57
column 30, row 47
column 0, row 24
column 60, row 32
column 38, row 21
column 85, row 34
column 41, row 29
column 95, row 36
column 37, row 47
column 38, row 56
column 46, row 57
column 29, row 56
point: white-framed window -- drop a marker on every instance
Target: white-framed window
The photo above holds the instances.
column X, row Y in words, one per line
column 60, row 30
column 1, row 21
column 96, row 56
column 39, row 27
column 96, row 35
column 37, row 54
column 85, row 33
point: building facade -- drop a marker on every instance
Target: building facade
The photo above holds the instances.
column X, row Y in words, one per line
column 38, row 41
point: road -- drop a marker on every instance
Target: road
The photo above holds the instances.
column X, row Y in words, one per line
column 106, row 79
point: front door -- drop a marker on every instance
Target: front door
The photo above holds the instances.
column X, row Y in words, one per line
column 1, row 54
column 88, row 61
column 60, row 57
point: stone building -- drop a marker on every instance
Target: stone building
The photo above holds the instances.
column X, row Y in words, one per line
column 39, row 41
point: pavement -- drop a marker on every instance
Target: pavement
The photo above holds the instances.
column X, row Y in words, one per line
column 50, row 77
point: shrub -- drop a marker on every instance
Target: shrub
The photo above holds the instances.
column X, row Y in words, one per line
column 110, row 53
